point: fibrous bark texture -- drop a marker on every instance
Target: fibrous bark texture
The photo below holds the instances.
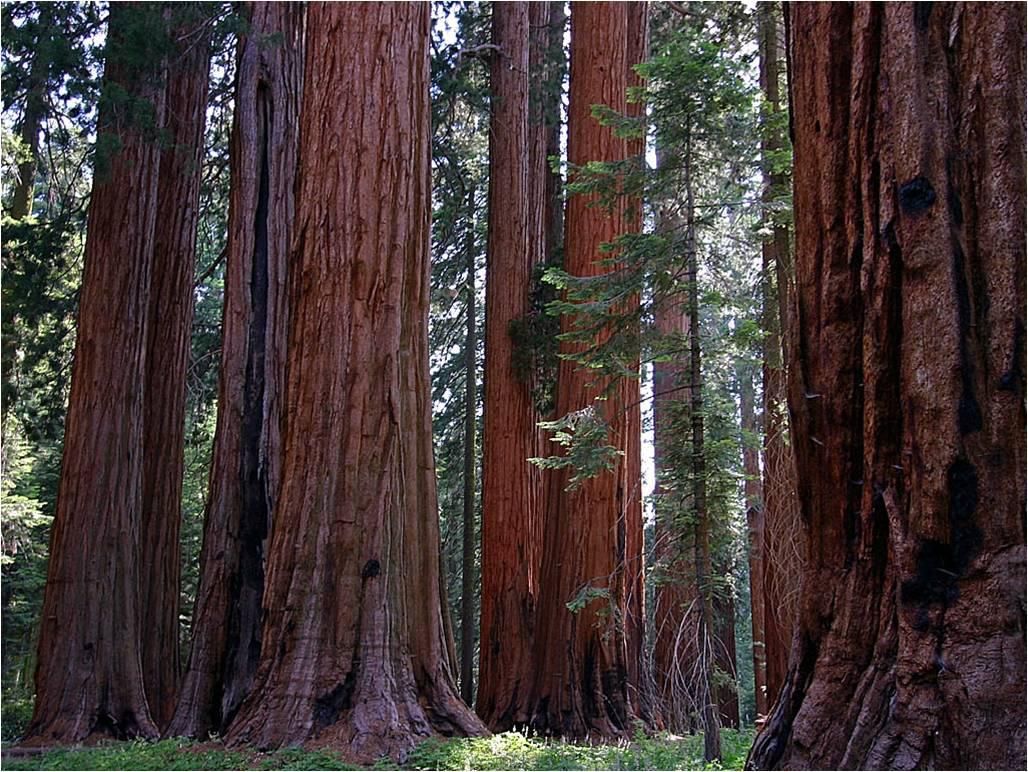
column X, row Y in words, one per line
column 89, row 679
column 353, row 651
column 510, row 484
column 907, row 389
column 246, row 464
column 781, row 530
column 167, row 357
column 582, row 683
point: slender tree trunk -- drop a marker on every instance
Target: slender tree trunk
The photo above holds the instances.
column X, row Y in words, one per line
column 168, row 340
column 753, row 496
column 32, row 119
column 675, row 649
column 89, row 678
column 907, row 389
column 467, row 600
column 582, row 685
column 781, row 557
column 635, row 562
column 510, row 484
column 353, row 651
column 247, row 456
column 706, row 698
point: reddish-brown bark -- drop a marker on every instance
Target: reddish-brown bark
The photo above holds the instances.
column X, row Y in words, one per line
column 907, row 389
column 89, row 679
column 167, row 357
column 510, row 484
column 247, row 455
column 635, row 567
column 782, row 531
column 353, row 651
column 582, row 684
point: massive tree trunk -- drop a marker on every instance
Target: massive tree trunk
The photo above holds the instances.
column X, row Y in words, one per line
column 89, row 679
column 782, row 531
column 582, row 684
column 510, row 484
column 167, row 357
column 247, row 456
column 353, row 651
column 907, row 389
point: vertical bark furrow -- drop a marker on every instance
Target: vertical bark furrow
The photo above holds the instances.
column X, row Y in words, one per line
column 246, row 458
column 167, row 361
column 510, row 499
column 89, row 673
column 582, row 683
column 908, row 665
column 353, row 651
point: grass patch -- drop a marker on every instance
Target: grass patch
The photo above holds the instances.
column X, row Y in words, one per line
column 506, row 751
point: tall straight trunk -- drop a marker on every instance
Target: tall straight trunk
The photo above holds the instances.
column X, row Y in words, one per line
column 89, row 677
column 510, row 484
column 246, row 462
column 781, row 557
column 705, row 696
column 752, row 497
column 582, row 684
column 353, row 650
column 167, row 358
column 467, row 599
column 907, row 389
column 635, row 561
column 33, row 116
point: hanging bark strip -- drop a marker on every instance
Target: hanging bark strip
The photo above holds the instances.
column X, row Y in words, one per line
column 510, row 498
column 167, row 358
column 781, row 558
column 89, row 678
column 907, row 389
column 353, row 650
column 582, row 685
column 247, row 455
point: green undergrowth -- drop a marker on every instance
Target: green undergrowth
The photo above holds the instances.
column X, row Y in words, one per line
column 505, row 751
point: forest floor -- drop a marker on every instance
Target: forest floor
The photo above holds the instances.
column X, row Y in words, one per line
column 505, row 751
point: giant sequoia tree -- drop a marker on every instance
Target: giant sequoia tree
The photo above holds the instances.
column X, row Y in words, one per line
column 167, row 356
column 353, row 650
column 510, row 484
column 907, row 389
column 89, row 678
column 247, row 455
column 583, row 684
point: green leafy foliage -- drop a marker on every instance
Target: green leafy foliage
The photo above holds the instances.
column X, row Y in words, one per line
column 583, row 435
